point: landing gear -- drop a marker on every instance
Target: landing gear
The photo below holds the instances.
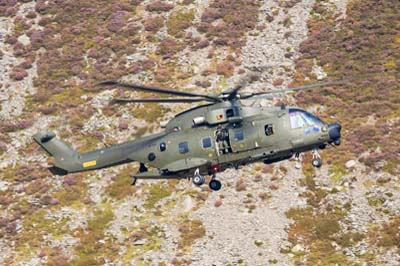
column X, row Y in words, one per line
column 316, row 161
column 142, row 168
column 134, row 179
column 215, row 184
column 198, row 179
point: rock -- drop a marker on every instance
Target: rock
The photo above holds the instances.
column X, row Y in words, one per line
column 24, row 39
column 188, row 204
column 218, row 203
column 42, row 254
column 338, row 188
column 3, row 185
column 350, row 164
column 298, row 248
column 140, row 242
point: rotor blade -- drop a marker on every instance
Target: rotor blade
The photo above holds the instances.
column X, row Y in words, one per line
column 157, row 100
column 233, row 93
column 304, row 87
column 158, row 90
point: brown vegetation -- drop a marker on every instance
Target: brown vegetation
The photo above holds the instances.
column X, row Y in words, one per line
column 365, row 48
column 235, row 19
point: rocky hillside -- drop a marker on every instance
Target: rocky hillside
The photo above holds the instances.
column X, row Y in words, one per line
column 54, row 52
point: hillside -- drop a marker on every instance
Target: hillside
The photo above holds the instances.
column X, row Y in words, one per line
column 52, row 53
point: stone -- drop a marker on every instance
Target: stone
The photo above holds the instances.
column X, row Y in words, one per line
column 24, row 39
column 188, row 204
column 350, row 164
column 298, row 248
column 139, row 242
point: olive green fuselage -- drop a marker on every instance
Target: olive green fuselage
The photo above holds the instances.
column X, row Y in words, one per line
column 207, row 138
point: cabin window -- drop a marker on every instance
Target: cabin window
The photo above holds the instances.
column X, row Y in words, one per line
column 269, row 129
column 163, row 146
column 206, row 142
column 183, row 147
column 238, row 135
column 229, row 113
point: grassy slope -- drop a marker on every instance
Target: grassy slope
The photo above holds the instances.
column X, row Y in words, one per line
column 365, row 46
column 79, row 44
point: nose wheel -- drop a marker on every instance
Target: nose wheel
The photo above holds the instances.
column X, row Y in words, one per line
column 198, row 180
column 316, row 161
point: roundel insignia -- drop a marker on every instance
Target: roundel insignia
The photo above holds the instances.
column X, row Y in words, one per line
column 315, row 128
column 307, row 131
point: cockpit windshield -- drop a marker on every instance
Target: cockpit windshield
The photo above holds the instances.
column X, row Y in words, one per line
column 300, row 118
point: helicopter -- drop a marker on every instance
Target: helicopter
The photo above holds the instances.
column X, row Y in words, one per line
column 206, row 139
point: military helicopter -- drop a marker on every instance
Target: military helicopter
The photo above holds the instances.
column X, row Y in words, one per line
column 206, row 139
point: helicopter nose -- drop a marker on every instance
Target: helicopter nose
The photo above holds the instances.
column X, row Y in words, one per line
column 334, row 131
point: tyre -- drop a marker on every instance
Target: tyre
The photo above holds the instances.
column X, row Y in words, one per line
column 317, row 163
column 198, row 180
column 215, row 185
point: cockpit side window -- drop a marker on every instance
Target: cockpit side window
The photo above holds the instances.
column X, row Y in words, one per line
column 300, row 118
column 312, row 120
column 296, row 120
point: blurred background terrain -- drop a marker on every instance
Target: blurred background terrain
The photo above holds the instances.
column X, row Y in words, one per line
column 54, row 52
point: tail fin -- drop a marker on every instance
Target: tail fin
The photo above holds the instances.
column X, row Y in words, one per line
column 66, row 159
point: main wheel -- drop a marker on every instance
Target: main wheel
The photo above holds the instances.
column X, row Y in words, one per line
column 198, row 180
column 215, row 185
column 317, row 162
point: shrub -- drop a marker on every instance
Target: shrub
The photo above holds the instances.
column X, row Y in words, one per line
column 190, row 230
column 226, row 69
column 18, row 73
column 240, row 185
column 200, row 44
column 237, row 18
column 168, row 47
column 159, row 6
column 153, row 24
column 179, row 21
column 37, row 38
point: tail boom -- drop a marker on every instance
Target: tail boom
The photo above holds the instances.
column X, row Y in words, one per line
column 67, row 160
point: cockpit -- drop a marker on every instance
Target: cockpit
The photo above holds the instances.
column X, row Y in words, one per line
column 300, row 118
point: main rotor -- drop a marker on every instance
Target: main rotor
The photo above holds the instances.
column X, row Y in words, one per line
column 190, row 97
